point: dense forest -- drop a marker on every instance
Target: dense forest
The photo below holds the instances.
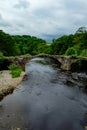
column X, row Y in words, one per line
column 20, row 45
column 73, row 44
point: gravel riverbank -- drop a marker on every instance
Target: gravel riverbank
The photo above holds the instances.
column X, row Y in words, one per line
column 7, row 83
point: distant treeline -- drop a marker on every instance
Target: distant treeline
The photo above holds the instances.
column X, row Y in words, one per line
column 73, row 44
column 21, row 45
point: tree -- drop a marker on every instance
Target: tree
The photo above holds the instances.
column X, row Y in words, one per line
column 6, row 44
column 81, row 30
column 71, row 51
column 60, row 45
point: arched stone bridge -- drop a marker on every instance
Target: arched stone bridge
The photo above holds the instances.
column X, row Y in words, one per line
column 65, row 61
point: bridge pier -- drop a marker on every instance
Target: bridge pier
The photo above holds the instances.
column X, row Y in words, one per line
column 66, row 62
column 66, row 65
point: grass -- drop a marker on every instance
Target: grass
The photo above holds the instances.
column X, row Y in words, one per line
column 16, row 72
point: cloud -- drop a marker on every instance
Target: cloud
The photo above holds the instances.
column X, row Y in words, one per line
column 3, row 23
column 22, row 4
column 42, row 17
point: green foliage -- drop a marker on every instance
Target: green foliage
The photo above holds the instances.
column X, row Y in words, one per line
column 27, row 55
column 60, row 45
column 16, row 72
column 77, row 48
column 1, row 54
column 28, row 44
column 84, row 53
column 43, row 48
column 71, row 51
column 75, row 45
column 7, row 44
column 12, row 66
column 21, row 45
column 81, row 30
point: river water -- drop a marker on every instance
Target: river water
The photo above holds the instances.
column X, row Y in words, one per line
column 49, row 99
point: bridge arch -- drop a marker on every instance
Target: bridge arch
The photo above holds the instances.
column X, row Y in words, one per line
column 52, row 57
column 22, row 61
column 63, row 62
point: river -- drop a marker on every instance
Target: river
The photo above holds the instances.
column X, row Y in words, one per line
column 48, row 99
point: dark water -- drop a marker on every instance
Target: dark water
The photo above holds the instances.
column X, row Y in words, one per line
column 49, row 99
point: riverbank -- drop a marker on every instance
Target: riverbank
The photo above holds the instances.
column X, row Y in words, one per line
column 7, row 83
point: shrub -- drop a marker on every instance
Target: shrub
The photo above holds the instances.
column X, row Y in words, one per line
column 84, row 53
column 16, row 72
column 12, row 66
column 27, row 55
column 71, row 51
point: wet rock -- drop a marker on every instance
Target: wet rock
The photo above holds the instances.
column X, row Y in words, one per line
column 84, row 122
column 85, row 127
column 82, row 76
column 79, row 76
column 15, row 129
column 70, row 83
column 84, row 89
column 25, row 77
column 75, row 76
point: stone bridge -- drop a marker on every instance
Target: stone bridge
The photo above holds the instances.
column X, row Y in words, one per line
column 65, row 62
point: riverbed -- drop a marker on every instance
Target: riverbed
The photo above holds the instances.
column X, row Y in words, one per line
column 48, row 99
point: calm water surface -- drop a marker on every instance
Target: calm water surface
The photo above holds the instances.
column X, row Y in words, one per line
column 49, row 99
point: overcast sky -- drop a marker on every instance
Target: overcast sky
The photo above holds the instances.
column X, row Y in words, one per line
column 42, row 18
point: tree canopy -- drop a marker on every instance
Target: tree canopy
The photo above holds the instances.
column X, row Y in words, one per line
column 72, row 44
column 20, row 45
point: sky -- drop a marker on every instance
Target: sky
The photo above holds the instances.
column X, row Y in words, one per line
column 46, row 19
